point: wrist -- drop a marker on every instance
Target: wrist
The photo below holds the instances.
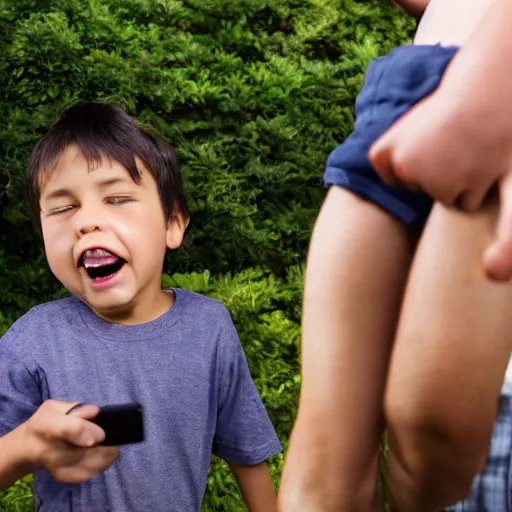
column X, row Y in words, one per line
column 14, row 463
column 24, row 455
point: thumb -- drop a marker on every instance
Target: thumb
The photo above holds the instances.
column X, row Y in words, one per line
column 77, row 409
column 84, row 411
column 381, row 156
column 498, row 257
column 67, row 421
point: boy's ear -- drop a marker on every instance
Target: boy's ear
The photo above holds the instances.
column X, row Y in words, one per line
column 176, row 230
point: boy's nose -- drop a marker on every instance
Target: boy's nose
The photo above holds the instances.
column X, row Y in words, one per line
column 89, row 228
column 88, row 219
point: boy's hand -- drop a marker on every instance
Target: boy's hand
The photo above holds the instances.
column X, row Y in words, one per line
column 66, row 445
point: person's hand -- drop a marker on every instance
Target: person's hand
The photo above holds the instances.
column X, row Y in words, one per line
column 446, row 149
column 67, row 445
column 441, row 152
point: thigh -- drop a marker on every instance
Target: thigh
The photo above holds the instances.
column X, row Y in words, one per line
column 358, row 263
column 452, row 347
column 454, row 337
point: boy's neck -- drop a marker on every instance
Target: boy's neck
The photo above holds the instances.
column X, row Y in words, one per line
column 148, row 308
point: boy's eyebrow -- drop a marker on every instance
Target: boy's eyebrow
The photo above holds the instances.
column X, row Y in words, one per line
column 112, row 181
column 66, row 192
column 56, row 194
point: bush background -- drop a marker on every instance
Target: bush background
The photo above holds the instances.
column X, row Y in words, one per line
column 253, row 94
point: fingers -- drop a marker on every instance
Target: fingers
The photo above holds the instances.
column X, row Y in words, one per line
column 66, row 444
column 381, row 157
column 84, row 411
column 398, row 159
column 83, row 433
column 472, row 200
column 72, row 428
column 426, row 151
column 86, row 464
column 51, row 424
column 498, row 257
column 71, row 408
column 411, row 154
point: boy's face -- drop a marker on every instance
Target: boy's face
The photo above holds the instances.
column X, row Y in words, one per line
column 105, row 237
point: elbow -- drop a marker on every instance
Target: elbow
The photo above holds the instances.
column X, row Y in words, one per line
column 435, row 454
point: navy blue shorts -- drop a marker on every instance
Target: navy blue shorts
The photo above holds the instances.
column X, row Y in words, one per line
column 392, row 85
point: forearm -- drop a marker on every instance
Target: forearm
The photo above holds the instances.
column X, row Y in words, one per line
column 256, row 486
column 481, row 71
column 13, row 463
column 412, row 7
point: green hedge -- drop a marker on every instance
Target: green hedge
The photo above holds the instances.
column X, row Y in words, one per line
column 253, row 94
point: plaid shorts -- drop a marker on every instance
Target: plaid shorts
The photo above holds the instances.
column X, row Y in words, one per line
column 492, row 489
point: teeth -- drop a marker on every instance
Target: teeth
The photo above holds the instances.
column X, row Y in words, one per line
column 97, row 253
column 95, row 265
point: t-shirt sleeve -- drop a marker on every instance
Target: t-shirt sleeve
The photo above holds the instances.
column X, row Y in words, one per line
column 20, row 393
column 244, row 433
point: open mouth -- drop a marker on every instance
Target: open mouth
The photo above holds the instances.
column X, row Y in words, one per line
column 101, row 264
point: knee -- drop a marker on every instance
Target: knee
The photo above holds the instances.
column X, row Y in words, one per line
column 436, row 443
column 319, row 475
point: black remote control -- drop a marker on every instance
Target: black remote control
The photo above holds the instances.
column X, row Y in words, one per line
column 122, row 423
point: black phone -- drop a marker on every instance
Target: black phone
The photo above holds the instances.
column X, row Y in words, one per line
column 122, row 423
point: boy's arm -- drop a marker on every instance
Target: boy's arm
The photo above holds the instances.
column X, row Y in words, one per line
column 13, row 462
column 256, row 486
column 244, row 432
column 457, row 143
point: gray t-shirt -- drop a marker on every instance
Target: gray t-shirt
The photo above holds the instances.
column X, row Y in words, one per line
column 187, row 369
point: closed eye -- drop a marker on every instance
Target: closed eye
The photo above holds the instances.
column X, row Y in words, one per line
column 61, row 209
column 119, row 200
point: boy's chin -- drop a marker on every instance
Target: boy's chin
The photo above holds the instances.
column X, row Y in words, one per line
column 115, row 307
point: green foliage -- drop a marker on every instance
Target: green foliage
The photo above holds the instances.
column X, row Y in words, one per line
column 253, row 94
column 18, row 498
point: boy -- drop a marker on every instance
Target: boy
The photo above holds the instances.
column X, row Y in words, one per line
column 417, row 327
column 109, row 199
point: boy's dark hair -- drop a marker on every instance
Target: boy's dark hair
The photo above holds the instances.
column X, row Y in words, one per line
column 105, row 130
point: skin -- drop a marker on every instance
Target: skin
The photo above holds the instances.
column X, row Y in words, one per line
column 428, row 360
column 256, row 486
column 412, row 7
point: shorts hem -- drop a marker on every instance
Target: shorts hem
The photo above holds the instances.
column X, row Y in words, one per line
column 368, row 189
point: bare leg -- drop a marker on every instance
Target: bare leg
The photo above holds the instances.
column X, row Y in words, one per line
column 450, row 355
column 357, row 267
